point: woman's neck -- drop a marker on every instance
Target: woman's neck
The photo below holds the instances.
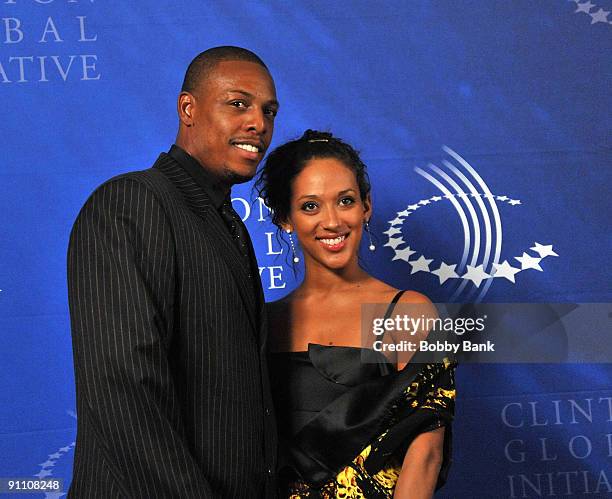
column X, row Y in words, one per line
column 320, row 279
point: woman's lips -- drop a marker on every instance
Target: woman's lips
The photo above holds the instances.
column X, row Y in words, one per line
column 333, row 243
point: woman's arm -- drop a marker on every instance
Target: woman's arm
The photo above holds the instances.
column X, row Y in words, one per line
column 421, row 466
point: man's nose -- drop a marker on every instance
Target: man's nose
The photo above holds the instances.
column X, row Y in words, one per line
column 257, row 120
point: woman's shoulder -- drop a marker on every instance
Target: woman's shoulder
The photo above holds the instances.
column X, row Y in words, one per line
column 385, row 293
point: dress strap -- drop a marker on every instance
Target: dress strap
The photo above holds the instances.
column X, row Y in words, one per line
column 391, row 306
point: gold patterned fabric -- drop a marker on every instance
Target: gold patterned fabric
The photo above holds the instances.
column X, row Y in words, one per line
column 399, row 405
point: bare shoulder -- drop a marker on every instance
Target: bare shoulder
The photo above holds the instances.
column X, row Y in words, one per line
column 386, row 293
column 410, row 296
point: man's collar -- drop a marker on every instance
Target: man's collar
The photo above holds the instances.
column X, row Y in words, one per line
column 203, row 178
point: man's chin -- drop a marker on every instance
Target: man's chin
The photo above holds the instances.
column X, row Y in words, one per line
column 234, row 177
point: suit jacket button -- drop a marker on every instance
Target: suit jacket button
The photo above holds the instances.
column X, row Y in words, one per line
column 270, row 472
column 268, row 412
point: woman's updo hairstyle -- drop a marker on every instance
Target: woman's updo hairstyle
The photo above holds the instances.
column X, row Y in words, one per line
column 283, row 164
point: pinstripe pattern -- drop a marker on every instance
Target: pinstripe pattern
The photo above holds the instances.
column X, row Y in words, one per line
column 172, row 387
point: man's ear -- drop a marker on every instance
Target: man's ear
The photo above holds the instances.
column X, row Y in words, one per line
column 367, row 208
column 185, row 108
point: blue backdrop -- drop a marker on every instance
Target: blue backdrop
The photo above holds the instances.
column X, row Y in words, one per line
column 486, row 126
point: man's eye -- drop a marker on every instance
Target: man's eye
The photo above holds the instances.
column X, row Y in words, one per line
column 238, row 103
column 347, row 201
column 309, row 206
column 271, row 112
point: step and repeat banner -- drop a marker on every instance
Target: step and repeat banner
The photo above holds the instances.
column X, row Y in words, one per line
column 486, row 127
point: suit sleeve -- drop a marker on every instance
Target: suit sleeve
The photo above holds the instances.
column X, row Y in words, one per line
column 121, row 294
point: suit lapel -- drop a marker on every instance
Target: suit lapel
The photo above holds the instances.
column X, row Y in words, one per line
column 219, row 236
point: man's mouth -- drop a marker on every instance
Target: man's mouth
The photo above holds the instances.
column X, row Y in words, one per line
column 249, row 146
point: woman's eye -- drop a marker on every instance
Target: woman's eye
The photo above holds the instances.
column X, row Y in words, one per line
column 310, row 206
column 347, row 201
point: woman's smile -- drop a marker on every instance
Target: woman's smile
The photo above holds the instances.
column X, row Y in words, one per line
column 333, row 244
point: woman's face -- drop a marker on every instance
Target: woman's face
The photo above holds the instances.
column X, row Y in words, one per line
column 327, row 213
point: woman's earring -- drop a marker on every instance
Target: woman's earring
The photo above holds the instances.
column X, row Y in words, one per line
column 371, row 247
column 295, row 257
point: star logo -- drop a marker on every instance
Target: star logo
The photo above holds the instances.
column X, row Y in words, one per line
column 505, row 270
column 395, row 242
column 601, row 16
column 420, row 265
column 596, row 13
column 481, row 262
column 403, row 254
column 392, row 231
column 476, row 274
column 584, row 7
column 445, row 272
column 543, row 250
column 529, row 262
column 48, row 468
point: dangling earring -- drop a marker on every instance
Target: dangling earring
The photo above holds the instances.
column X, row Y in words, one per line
column 371, row 247
column 295, row 257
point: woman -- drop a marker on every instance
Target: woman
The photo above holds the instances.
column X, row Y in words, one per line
column 347, row 428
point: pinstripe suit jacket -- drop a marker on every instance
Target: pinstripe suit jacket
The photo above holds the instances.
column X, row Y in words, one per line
column 173, row 397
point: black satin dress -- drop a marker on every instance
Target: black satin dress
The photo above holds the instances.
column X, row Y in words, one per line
column 346, row 417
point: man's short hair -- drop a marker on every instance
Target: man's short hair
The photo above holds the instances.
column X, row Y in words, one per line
column 204, row 63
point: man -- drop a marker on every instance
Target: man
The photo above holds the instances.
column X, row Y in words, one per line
column 167, row 308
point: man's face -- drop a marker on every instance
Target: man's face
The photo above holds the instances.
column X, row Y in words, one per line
column 233, row 115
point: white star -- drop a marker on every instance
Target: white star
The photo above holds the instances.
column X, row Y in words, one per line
column 601, row 16
column 475, row 194
column 413, row 207
column 514, row 202
column 502, row 198
column 462, row 195
column 529, row 262
column 505, row 270
column 424, row 202
column 436, row 198
column 446, row 272
column 47, row 463
column 65, row 449
column 396, row 221
column 584, row 7
column 543, row 251
column 420, row 265
column 403, row 254
column 475, row 274
column 490, row 196
column 404, row 213
column 449, row 196
column 392, row 231
column 55, row 456
column 43, row 473
column 394, row 242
